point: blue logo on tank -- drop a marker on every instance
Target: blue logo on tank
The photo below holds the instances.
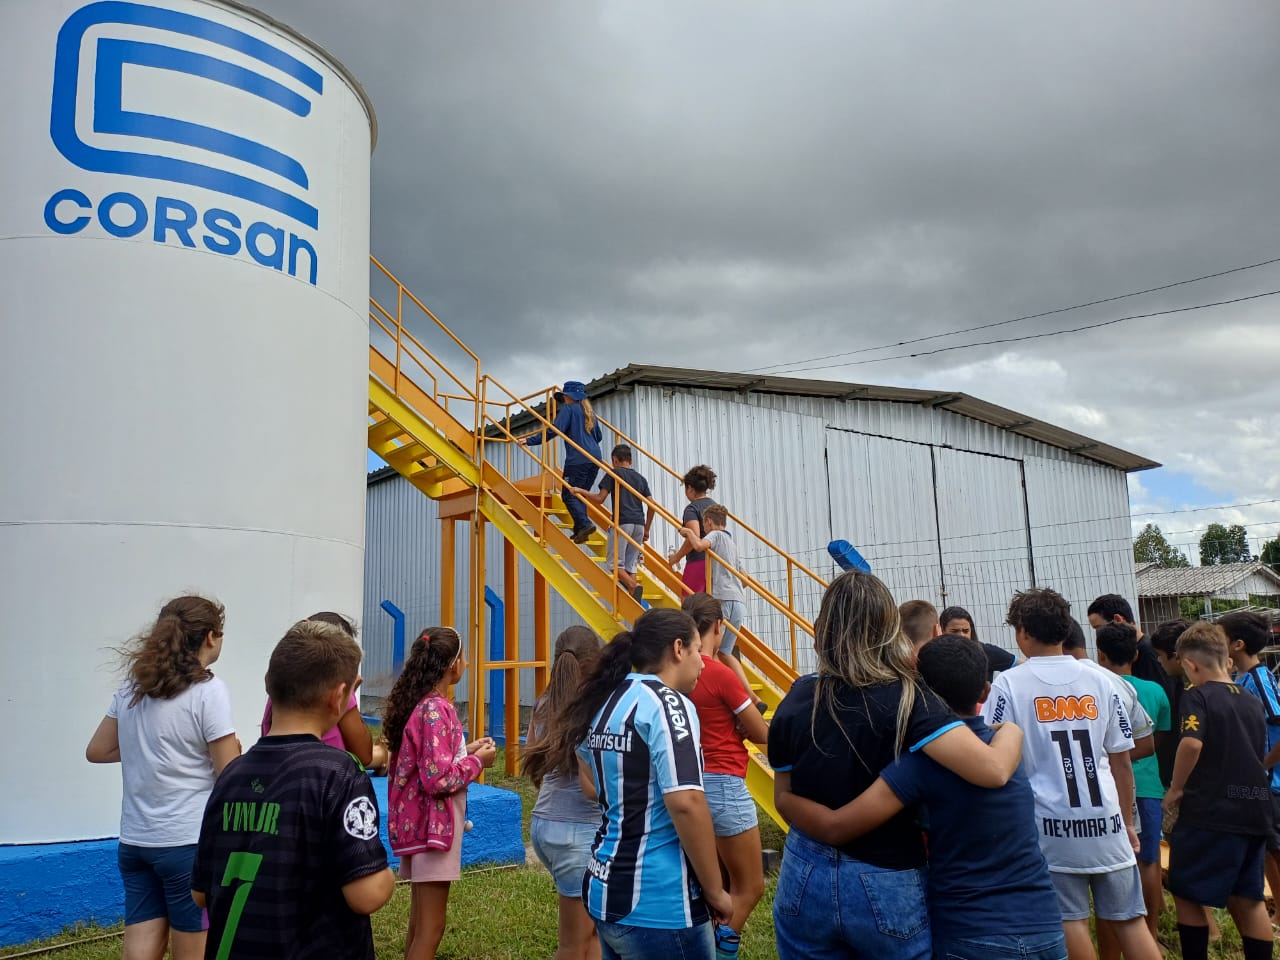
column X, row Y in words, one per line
column 134, row 143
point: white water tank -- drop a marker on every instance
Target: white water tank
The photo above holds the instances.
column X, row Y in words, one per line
column 184, row 241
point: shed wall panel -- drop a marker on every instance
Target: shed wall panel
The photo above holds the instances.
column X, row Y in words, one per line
column 882, row 502
column 1080, row 533
column 983, row 532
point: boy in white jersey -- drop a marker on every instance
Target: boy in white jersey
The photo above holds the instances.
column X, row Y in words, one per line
column 1077, row 739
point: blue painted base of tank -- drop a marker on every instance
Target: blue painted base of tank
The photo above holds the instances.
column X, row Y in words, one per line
column 46, row 888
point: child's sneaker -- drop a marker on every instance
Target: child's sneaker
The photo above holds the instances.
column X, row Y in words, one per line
column 727, row 942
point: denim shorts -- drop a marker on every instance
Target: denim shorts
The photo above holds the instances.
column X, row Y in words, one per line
column 630, row 552
column 563, row 848
column 618, row 941
column 734, row 611
column 732, row 809
column 1151, row 817
column 1013, row 946
column 157, row 886
column 829, row 905
column 1116, row 895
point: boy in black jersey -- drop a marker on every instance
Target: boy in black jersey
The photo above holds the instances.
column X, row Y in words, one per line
column 1223, row 801
column 289, row 862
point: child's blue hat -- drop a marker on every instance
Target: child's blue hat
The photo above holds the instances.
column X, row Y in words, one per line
column 573, row 390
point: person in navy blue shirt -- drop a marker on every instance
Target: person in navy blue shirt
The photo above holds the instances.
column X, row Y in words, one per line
column 989, row 891
column 577, row 423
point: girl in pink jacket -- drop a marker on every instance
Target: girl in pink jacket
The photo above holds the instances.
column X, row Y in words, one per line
column 431, row 765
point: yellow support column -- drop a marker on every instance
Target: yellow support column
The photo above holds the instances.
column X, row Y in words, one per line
column 448, row 607
column 476, row 629
column 541, row 634
column 511, row 606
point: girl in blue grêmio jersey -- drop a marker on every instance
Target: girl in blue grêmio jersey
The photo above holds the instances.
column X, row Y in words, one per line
column 652, row 882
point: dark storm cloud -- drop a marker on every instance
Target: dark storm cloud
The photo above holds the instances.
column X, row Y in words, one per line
column 729, row 184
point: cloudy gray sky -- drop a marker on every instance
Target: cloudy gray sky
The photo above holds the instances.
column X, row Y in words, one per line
column 577, row 186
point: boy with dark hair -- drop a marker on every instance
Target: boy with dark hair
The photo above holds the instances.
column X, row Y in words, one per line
column 919, row 622
column 1113, row 608
column 1222, row 799
column 1077, row 739
column 633, row 519
column 1164, row 641
column 1247, row 635
column 989, row 889
column 289, row 861
column 1117, row 649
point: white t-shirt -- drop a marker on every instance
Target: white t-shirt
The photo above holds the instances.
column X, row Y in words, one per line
column 164, row 753
column 724, row 585
column 1071, row 717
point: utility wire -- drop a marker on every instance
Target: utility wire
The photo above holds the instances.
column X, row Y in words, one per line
column 1036, row 336
column 1030, row 316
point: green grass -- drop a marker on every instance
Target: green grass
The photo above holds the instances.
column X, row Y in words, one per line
column 509, row 913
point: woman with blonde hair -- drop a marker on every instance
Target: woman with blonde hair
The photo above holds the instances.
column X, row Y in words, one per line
column 831, row 736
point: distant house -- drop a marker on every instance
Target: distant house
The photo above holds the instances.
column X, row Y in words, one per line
column 1160, row 588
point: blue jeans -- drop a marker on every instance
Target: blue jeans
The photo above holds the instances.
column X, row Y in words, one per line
column 1030, row 946
column 829, row 905
column 580, row 475
column 621, row 942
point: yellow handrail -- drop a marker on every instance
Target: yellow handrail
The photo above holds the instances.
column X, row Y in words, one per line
column 409, row 348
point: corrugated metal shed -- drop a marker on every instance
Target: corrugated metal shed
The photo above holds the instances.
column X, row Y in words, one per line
column 959, row 403
column 951, row 499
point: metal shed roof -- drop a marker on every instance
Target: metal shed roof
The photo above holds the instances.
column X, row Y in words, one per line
column 1156, row 581
column 958, row 403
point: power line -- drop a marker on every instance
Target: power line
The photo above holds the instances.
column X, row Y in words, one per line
column 1030, row 316
column 1221, row 506
column 1035, row 336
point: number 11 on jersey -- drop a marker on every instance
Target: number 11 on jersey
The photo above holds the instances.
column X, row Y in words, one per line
column 1063, row 739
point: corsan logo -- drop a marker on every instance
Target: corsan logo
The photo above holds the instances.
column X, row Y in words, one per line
column 1049, row 709
column 130, row 140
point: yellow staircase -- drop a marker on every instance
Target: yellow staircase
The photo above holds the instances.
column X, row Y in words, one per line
column 450, row 434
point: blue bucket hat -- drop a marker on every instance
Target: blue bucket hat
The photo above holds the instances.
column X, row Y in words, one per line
column 573, row 390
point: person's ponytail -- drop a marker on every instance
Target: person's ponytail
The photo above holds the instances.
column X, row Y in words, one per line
column 577, row 648
column 609, row 670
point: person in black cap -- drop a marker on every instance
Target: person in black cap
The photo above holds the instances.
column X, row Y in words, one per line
column 575, row 421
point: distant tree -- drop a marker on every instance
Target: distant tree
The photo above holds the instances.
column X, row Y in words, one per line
column 1271, row 552
column 1150, row 546
column 1223, row 544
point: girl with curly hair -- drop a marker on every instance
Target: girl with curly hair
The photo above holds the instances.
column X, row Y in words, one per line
column 169, row 727
column 431, row 766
